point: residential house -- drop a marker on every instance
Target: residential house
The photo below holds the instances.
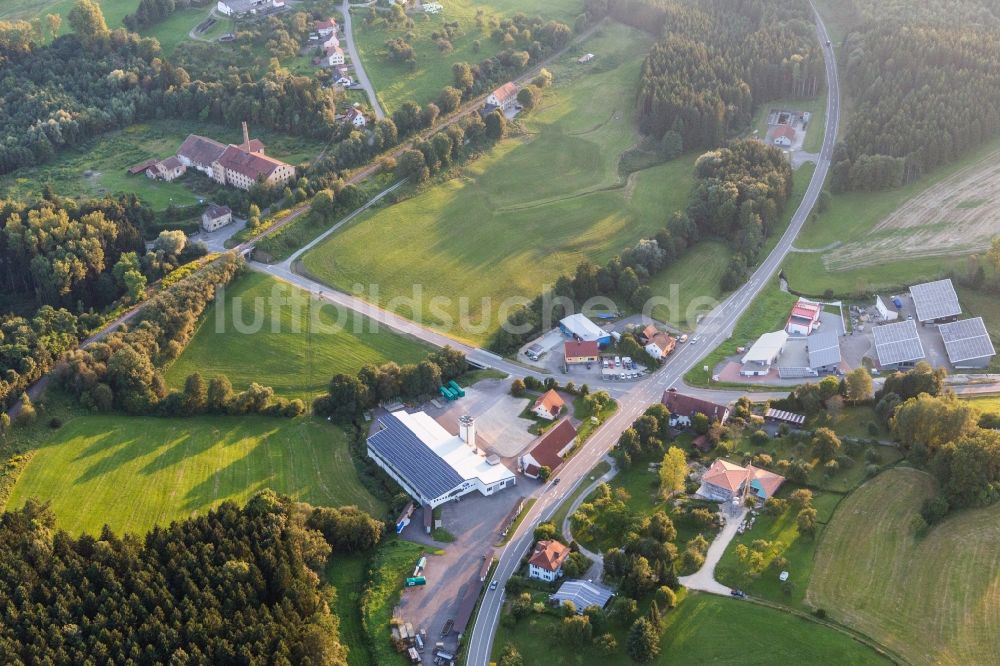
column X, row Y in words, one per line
column 547, row 560
column 503, row 98
column 686, row 406
column 550, row 449
column 215, row 217
column 581, row 351
column 168, row 169
column 660, row 346
column 333, row 56
column 804, row 318
column 548, row 406
column 326, row 27
column 329, row 42
column 725, row 480
column 244, row 7
column 355, row 117
column 648, row 332
column 784, row 136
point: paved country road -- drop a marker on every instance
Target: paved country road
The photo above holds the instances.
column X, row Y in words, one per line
column 359, row 67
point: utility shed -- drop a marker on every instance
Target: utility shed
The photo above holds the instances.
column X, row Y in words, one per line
column 936, row 302
column 968, row 343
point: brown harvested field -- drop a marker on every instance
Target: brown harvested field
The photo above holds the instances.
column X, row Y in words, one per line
column 957, row 216
column 935, row 599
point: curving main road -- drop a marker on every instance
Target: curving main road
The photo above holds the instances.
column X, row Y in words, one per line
column 713, row 330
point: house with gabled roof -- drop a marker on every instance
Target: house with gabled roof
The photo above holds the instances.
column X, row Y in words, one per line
column 548, row 406
column 726, row 480
column 547, row 560
column 550, row 449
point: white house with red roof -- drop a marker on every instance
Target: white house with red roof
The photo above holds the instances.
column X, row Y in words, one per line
column 326, row 27
column 503, row 97
column 784, row 136
column 804, row 318
column 548, row 406
column 547, row 560
column 333, row 56
column 355, row 117
column 581, row 351
column 725, row 480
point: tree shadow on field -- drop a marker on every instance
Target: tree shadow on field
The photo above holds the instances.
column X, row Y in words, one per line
column 189, row 446
column 122, row 452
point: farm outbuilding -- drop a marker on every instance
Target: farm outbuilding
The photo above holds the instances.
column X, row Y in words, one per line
column 936, row 302
column 824, row 351
column 898, row 345
column 583, row 594
column 967, row 343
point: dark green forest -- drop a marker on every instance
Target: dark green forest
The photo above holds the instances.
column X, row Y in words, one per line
column 236, row 586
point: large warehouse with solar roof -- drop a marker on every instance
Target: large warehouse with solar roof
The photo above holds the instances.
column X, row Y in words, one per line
column 430, row 463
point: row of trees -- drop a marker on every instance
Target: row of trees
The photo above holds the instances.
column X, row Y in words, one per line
column 348, row 396
column 238, row 585
column 896, row 133
column 121, row 370
column 717, row 61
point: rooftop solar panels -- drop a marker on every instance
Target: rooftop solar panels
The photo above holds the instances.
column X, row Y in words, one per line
column 935, row 300
column 824, row 349
column 583, row 594
column 898, row 343
column 400, row 447
column 966, row 340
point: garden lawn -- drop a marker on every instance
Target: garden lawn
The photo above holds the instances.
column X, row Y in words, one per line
column 933, row 598
column 136, row 472
column 849, row 218
column 284, row 351
column 395, row 83
column 99, row 166
column 521, row 216
column 703, row 629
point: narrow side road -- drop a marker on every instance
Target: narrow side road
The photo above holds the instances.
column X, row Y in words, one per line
column 704, row 579
column 359, row 67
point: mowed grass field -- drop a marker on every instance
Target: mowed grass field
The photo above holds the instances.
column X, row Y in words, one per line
column 851, row 219
column 521, row 216
column 395, row 83
column 287, row 344
column 133, row 473
column 99, row 166
column 935, row 599
column 703, row 629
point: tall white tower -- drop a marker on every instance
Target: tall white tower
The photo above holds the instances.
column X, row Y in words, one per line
column 467, row 430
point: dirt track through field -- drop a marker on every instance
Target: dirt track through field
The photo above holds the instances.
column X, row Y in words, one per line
column 957, row 216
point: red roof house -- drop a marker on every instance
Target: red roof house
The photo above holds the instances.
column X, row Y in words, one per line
column 804, row 317
column 550, row 449
column 548, row 406
column 581, row 351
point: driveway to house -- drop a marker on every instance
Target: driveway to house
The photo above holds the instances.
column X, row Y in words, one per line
column 704, row 579
column 359, row 68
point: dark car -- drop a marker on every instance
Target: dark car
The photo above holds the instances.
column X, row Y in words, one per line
column 739, row 594
column 556, row 482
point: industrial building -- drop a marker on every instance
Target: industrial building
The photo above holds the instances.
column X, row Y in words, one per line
column 763, row 353
column 935, row 302
column 804, row 318
column 898, row 345
column 824, row 352
column 967, row 343
column 430, row 463
column 579, row 327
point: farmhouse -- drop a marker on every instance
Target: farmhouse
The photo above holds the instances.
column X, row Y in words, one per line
column 686, row 406
column 583, row 594
column 725, row 480
column 967, row 343
column 550, row 449
column 898, row 345
column 758, row 359
column 200, row 152
column 660, row 346
column 168, row 169
column 578, row 351
column 548, row 406
column 326, row 27
column 547, row 560
column 355, row 117
column 935, row 302
column 215, row 217
column 431, row 464
column 243, row 169
column 804, row 318
column 579, row 327
column 503, row 98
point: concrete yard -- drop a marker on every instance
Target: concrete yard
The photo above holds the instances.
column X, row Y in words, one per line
column 499, row 429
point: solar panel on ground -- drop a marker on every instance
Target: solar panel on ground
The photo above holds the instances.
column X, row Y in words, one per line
column 898, row 343
column 935, row 300
column 429, row 474
column 967, row 339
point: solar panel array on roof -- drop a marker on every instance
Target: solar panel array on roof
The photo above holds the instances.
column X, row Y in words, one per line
column 898, row 343
column 824, row 349
column 430, row 475
column 583, row 594
column 935, row 300
column 967, row 339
